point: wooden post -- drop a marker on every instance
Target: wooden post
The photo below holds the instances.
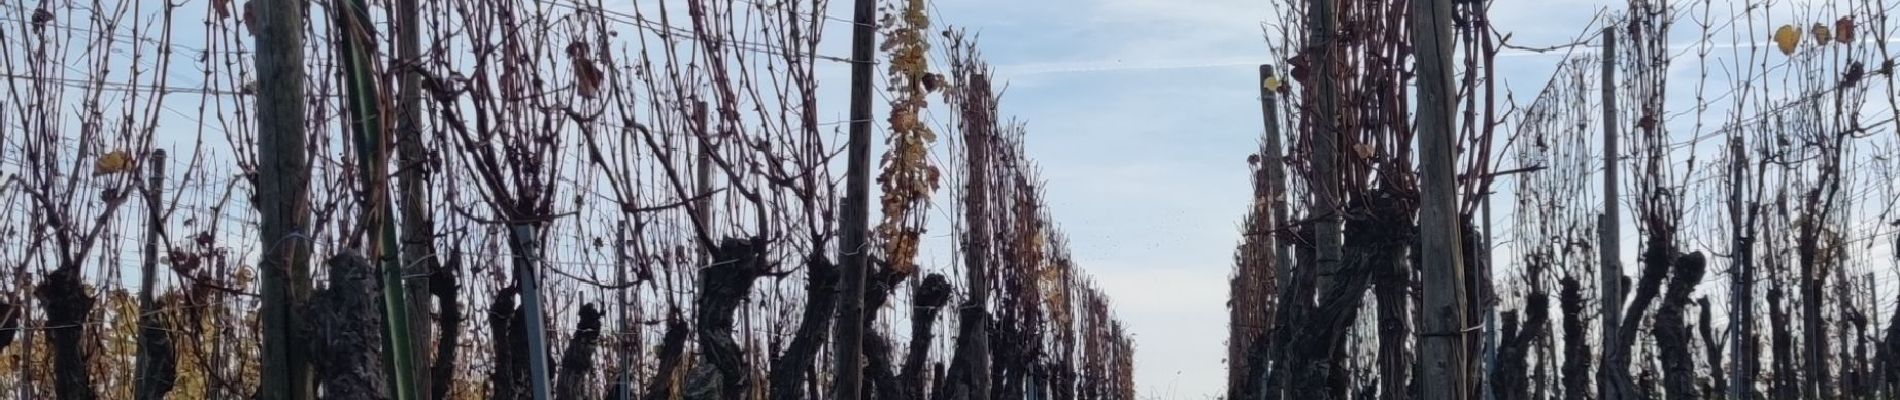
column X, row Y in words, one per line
column 1274, row 161
column 1880, row 374
column 703, row 168
column 1490, row 308
column 418, row 227
column 853, row 248
column 1330, row 240
column 623, row 388
column 1742, row 290
column 283, row 200
column 1442, row 372
column 1607, row 228
column 152, row 337
column 1247, row 352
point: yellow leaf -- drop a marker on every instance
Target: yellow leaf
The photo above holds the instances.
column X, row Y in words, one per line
column 244, row 276
column 1272, row 84
column 1787, row 38
column 1821, row 34
column 1365, row 150
column 112, row 163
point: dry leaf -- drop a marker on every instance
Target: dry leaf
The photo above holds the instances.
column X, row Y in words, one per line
column 41, row 17
column 112, row 163
column 1855, row 71
column 1787, row 38
column 586, row 76
column 244, row 277
column 222, row 7
column 932, row 82
column 1844, row 29
column 1272, row 83
column 1299, row 71
column 1822, row 35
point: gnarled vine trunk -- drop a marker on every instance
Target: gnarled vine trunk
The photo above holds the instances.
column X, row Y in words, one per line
column 1656, row 261
column 931, row 296
column 346, row 331
column 1712, row 345
column 448, row 323
column 508, row 336
column 821, row 299
column 1576, row 369
column 1512, row 381
column 1673, row 337
column 577, row 363
column 723, row 286
column 67, row 305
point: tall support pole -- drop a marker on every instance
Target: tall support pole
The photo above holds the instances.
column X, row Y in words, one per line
column 1880, row 374
column 283, row 199
column 1325, row 139
column 152, row 336
column 1490, row 309
column 1274, row 162
column 853, row 247
column 1249, row 354
column 703, row 180
column 418, row 231
column 1329, row 240
column 623, row 386
column 528, row 266
column 1442, row 347
column 977, row 253
column 1608, row 226
column 1742, row 292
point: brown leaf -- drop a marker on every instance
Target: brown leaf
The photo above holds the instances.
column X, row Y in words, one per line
column 932, row 81
column 1299, row 71
column 1365, row 150
column 587, row 77
column 1844, row 29
column 1855, row 71
column 1647, row 122
column 222, row 7
column 41, row 17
